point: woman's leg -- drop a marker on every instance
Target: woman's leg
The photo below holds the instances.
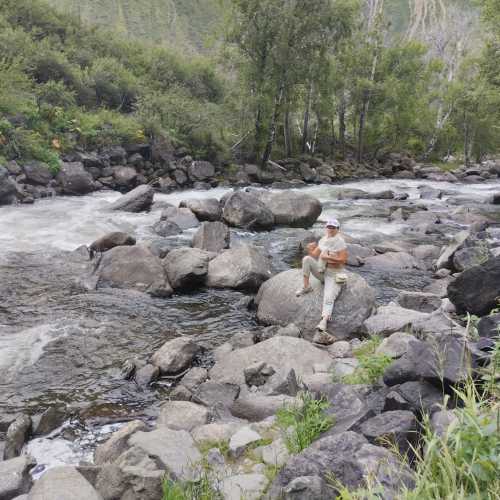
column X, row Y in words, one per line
column 310, row 266
column 330, row 294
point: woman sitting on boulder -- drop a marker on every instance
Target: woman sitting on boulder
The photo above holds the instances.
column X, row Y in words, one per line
column 325, row 261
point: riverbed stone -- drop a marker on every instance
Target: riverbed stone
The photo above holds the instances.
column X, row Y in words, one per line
column 243, row 487
column 201, row 170
column 245, row 210
column 395, row 345
column 138, row 200
column 257, row 407
column 279, row 305
column 216, row 394
column 63, row 483
column 15, row 476
column 131, row 267
column 417, row 396
column 212, row 237
column 476, row 290
column 49, row 420
column 186, row 267
column 110, row 450
column 442, row 420
column 183, row 217
column 7, row 187
column 17, row 435
column 74, row 179
column 243, row 268
column 352, row 461
column 308, row 488
column 166, row 228
column 215, row 432
column 146, row 375
column 276, row 453
column 125, row 177
column 174, row 450
column 419, row 301
column 37, row 173
column 175, row 355
column 391, row 319
column 489, row 326
column 241, row 439
column 394, row 261
column 111, row 240
column 291, row 208
column 357, row 254
column 182, row 415
column 194, row 377
column 207, row 209
column 445, row 260
column 468, row 257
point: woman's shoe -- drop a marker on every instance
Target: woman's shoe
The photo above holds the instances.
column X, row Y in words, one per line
column 322, row 325
column 323, row 338
column 303, row 291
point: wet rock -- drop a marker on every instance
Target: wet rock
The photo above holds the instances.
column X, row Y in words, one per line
column 343, row 367
column 391, row 319
column 52, row 418
column 340, row 349
column 245, row 210
column 175, row 355
column 118, row 443
column 131, row 267
column 186, row 267
column 278, row 304
column 242, row 268
column 276, row 453
column 63, row 483
column 74, row 179
column 212, row 237
column 214, row 394
column 15, row 476
column 256, row 407
column 393, row 261
column 476, row 290
column 146, row 375
column 216, row 432
column 399, row 427
column 241, row 439
column 17, row 435
column 357, row 254
column 468, row 257
column 125, row 177
column 489, row 326
column 291, row 208
column 109, row 241
column 182, row 415
column 351, row 460
column 138, row 200
column 37, row 173
column 277, row 384
column 182, row 217
column 308, row 488
column 166, row 228
column 437, row 323
column 419, row 301
column 444, row 360
column 430, row 193
column 207, row 209
column 426, row 252
column 258, row 373
column 395, row 345
column 417, row 396
column 201, row 171
column 358, row 194
column 194, row 377
column 7, row 188
column 446, row 258
column 244, row 486
column 438, row 287
column 174, row 450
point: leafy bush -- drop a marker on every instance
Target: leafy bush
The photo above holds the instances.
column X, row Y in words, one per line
column 304, row 422
column 371, row 365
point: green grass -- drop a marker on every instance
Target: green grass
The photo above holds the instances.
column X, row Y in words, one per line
column 304, row 422
column 371, row 365
column 222, row 446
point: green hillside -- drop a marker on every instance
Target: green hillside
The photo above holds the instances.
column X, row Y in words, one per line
column 189, row 24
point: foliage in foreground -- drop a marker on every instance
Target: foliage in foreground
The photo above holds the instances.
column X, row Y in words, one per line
column 304, row 421
column 371, row 365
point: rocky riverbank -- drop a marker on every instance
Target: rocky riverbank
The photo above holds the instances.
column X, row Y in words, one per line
column 425, row 255
column 126, row 167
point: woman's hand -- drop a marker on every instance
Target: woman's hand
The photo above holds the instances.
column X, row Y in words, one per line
column 324, row 255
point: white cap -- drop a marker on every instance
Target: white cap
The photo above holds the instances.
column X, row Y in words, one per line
column 332, row 223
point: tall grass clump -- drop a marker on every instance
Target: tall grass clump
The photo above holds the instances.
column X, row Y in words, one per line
column 304, row 422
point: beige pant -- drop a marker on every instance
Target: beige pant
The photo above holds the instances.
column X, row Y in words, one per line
column 332, row 288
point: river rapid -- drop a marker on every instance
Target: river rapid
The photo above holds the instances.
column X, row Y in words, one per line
column 60, row 346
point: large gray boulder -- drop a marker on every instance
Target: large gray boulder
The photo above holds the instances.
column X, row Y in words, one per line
column 174, row 450
column 445, row 260
column 7, row 187
column 183, row 217
column 63, row 483
column 186, row 267
column 207, row 209
column 351, row 460
column 242, row 268
column 244, row 486
column 74, row 179
column 131, row 267
column 15, row 476
column 125, row 177
column 137, row 200
column 182, row 415
column 175, row 355
column 477, row 289
column 212, row 237
column 17, row 434
column 390, row 319
column 394, row 261
column 468, row 257
column 282, row 353
column 292, row 208
column 278, row 304
column 111, row 240
column 247, row 211
column 419, row 301
column 201, row 171
column 37, row 173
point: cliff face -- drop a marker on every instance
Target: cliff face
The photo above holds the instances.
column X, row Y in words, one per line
column 188, row 24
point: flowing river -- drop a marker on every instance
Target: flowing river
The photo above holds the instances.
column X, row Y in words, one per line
column 60, row 346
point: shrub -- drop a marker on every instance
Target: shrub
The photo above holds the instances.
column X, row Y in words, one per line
column 304, row 422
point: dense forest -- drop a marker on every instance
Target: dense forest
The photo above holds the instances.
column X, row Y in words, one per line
column 252, row 79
